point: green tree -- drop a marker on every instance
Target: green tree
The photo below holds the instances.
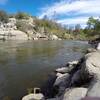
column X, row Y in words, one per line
column 91, row 23
column 93, row 26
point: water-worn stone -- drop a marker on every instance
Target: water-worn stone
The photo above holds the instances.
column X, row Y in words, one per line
column 73, row 62
column 75, row 94
column 38, row 96
column 62, row 70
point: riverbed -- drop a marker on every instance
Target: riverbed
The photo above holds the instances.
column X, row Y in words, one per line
column 27, row 64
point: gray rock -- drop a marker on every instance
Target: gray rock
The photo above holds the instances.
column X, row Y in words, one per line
column 75, row 94
column 62, row 70
column 98, row 47
column 89, row 68
column 61, row 79
column 92, row 63
column 94, row 90
column 91, row 50
column 62, row 82
column 76, row 79
column 68, row 68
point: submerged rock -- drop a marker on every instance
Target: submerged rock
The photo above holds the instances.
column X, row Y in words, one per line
column 91, row 50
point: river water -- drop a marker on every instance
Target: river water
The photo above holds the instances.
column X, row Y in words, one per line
column 27, row 64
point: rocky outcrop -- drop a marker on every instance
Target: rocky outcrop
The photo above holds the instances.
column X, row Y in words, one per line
column 13, row 35
column 24, row 29
column 78, row 79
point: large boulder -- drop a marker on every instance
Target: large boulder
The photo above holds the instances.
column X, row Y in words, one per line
column 94, row 90
column 92, row 63
column 14, row 35
column 98, row 47
column 90, row 68
column 18, row 35
column 75, row 94
column 89, row 72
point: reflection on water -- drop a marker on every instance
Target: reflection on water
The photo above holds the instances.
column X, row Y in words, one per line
column 26, row 65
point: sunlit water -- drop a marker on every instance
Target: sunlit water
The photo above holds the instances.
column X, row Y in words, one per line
column 25, row 65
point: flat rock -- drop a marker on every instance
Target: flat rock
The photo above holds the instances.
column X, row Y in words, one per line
column 38, row 96
column 62, row 70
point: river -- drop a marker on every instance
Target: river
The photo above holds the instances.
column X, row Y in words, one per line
column 27, row 64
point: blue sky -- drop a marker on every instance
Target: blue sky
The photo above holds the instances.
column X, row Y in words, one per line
column 67, row 12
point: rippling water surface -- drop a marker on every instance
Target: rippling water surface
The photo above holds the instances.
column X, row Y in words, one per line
column 24, row 65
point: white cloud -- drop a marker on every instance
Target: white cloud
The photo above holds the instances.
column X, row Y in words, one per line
column 75, row 8
column 73, row 21
column 2, row 2
column 77, row 20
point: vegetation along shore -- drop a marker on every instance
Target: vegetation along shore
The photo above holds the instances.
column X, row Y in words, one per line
column 22, row 26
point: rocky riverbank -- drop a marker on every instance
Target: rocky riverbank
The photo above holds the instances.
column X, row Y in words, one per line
column 24, row 29
column 76, row 80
